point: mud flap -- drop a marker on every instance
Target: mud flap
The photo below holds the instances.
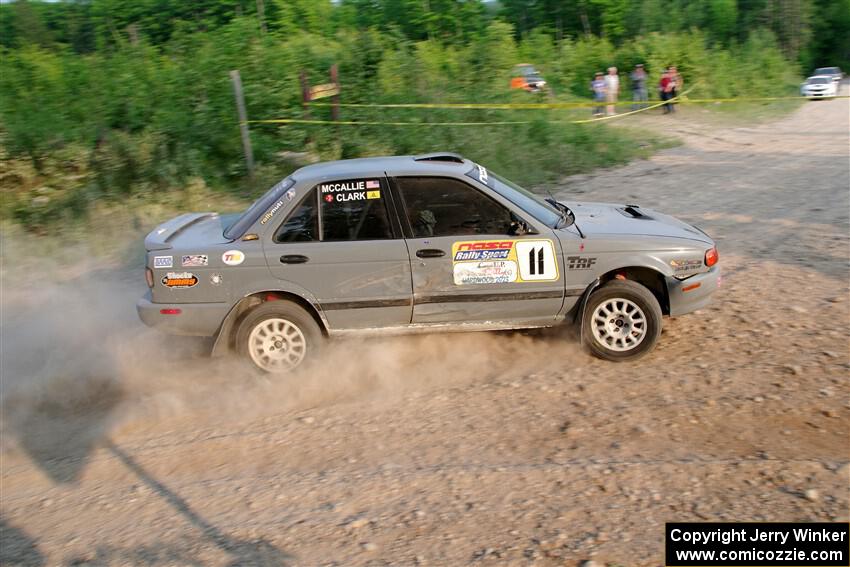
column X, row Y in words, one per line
column 583, row 307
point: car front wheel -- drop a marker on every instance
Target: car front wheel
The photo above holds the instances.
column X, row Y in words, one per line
column 622, row 321
column 279, row 336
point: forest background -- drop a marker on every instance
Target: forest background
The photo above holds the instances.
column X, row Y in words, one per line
column 128, row 104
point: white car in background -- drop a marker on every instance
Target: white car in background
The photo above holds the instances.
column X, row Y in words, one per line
column 819, row 86
column 833, row 73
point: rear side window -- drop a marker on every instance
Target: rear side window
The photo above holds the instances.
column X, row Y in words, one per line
column 337, row 211
column 442, row 206
column 354, row 209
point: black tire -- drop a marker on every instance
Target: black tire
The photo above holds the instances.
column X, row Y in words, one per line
column 609, row 338
column 300, row 337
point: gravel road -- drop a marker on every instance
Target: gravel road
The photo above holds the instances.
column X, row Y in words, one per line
column 121, row 447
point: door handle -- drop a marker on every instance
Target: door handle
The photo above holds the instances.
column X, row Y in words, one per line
column 430, row 253
column 293, row 259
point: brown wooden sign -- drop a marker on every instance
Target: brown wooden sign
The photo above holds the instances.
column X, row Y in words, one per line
column 317, row 92
column 322, row 91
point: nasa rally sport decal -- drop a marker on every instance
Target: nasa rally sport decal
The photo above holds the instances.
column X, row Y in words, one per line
column 233, row 257
column 179, row 280
column 503, row 261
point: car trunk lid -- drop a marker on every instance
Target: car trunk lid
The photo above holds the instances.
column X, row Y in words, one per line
column 190, row 228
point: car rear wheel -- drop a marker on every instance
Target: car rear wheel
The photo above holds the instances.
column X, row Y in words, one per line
column 278, row 337
column 622, row 321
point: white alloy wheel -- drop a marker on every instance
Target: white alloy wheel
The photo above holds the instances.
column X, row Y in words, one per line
column 277, row 345
column 619, row 324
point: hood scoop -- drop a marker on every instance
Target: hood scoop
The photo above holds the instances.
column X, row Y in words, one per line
column 633, row 211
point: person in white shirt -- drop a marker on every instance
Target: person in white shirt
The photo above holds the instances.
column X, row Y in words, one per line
column 612, row 89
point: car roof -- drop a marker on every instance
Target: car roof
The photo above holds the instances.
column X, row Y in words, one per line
column 437, row 163
column 820, row 77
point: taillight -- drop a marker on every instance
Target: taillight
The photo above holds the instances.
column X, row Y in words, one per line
column 149, row 277
column 171, row 311
column 711, row 257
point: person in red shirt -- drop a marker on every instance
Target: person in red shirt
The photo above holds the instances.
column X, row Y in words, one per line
column 666, row 87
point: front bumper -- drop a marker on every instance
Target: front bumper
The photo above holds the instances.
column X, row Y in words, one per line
column 819, row 94
column 693, row 293
column 195, row 319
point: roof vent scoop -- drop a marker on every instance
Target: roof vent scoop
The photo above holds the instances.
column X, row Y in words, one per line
column 634, row 210
column 440, row 156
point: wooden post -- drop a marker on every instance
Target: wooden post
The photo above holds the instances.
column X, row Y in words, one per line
column 335, row 80
column 243, row 120
column 261, row 14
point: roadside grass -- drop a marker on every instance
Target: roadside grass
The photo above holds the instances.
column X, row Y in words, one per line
column 717, row 114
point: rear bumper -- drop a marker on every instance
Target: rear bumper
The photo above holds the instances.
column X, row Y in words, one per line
column 195, row 319
column 693, row 293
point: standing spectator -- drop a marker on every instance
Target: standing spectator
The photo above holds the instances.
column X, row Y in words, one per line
column 665, row 87
column 612, row 89
column 639, row 95
column 678, row 84
column 597, row 85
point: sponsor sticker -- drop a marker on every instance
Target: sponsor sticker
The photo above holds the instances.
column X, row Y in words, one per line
column 373, row 194
column 482, row 174
column 216, row 279
column 681, row 266
column 500, row 271
column 179, row 280
column 290, row 194
column 485, row 250
column 163, row 261
column 275, row 208
column 503, row 261
column 233, row 257
column 194, row 260
column 580, row 262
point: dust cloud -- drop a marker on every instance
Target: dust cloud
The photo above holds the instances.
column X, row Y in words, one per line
column 77, row 362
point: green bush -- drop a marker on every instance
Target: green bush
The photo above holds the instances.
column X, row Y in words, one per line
column 146, row 118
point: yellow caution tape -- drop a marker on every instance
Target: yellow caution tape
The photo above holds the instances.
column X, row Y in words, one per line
column 555, row 105
column 498, row 123
column 530, row 106
column 378, row 123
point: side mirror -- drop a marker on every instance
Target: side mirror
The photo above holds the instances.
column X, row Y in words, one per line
column 519, row 228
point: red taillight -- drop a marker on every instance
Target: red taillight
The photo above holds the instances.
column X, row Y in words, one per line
column 149, row 277
column 170, row 311
column 711, row 257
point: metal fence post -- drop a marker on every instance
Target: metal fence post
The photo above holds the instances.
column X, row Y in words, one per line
column 243, row 120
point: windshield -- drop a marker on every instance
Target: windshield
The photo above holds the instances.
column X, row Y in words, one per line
column 819, row 81
column 252, row 213
column 826, row 71
column 523, row 198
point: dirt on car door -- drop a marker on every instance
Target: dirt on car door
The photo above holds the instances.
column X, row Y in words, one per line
column 468, row 262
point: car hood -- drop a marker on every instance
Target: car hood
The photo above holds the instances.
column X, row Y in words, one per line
column 597, row 219
column 189, row 230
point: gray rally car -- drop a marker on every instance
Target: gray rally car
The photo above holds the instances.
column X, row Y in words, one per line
column 420, row 244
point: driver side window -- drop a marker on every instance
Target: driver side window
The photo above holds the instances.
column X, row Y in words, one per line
column 442, row 206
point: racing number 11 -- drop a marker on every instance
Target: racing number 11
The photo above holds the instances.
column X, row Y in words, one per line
column 536, row 260
column 536, row 267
